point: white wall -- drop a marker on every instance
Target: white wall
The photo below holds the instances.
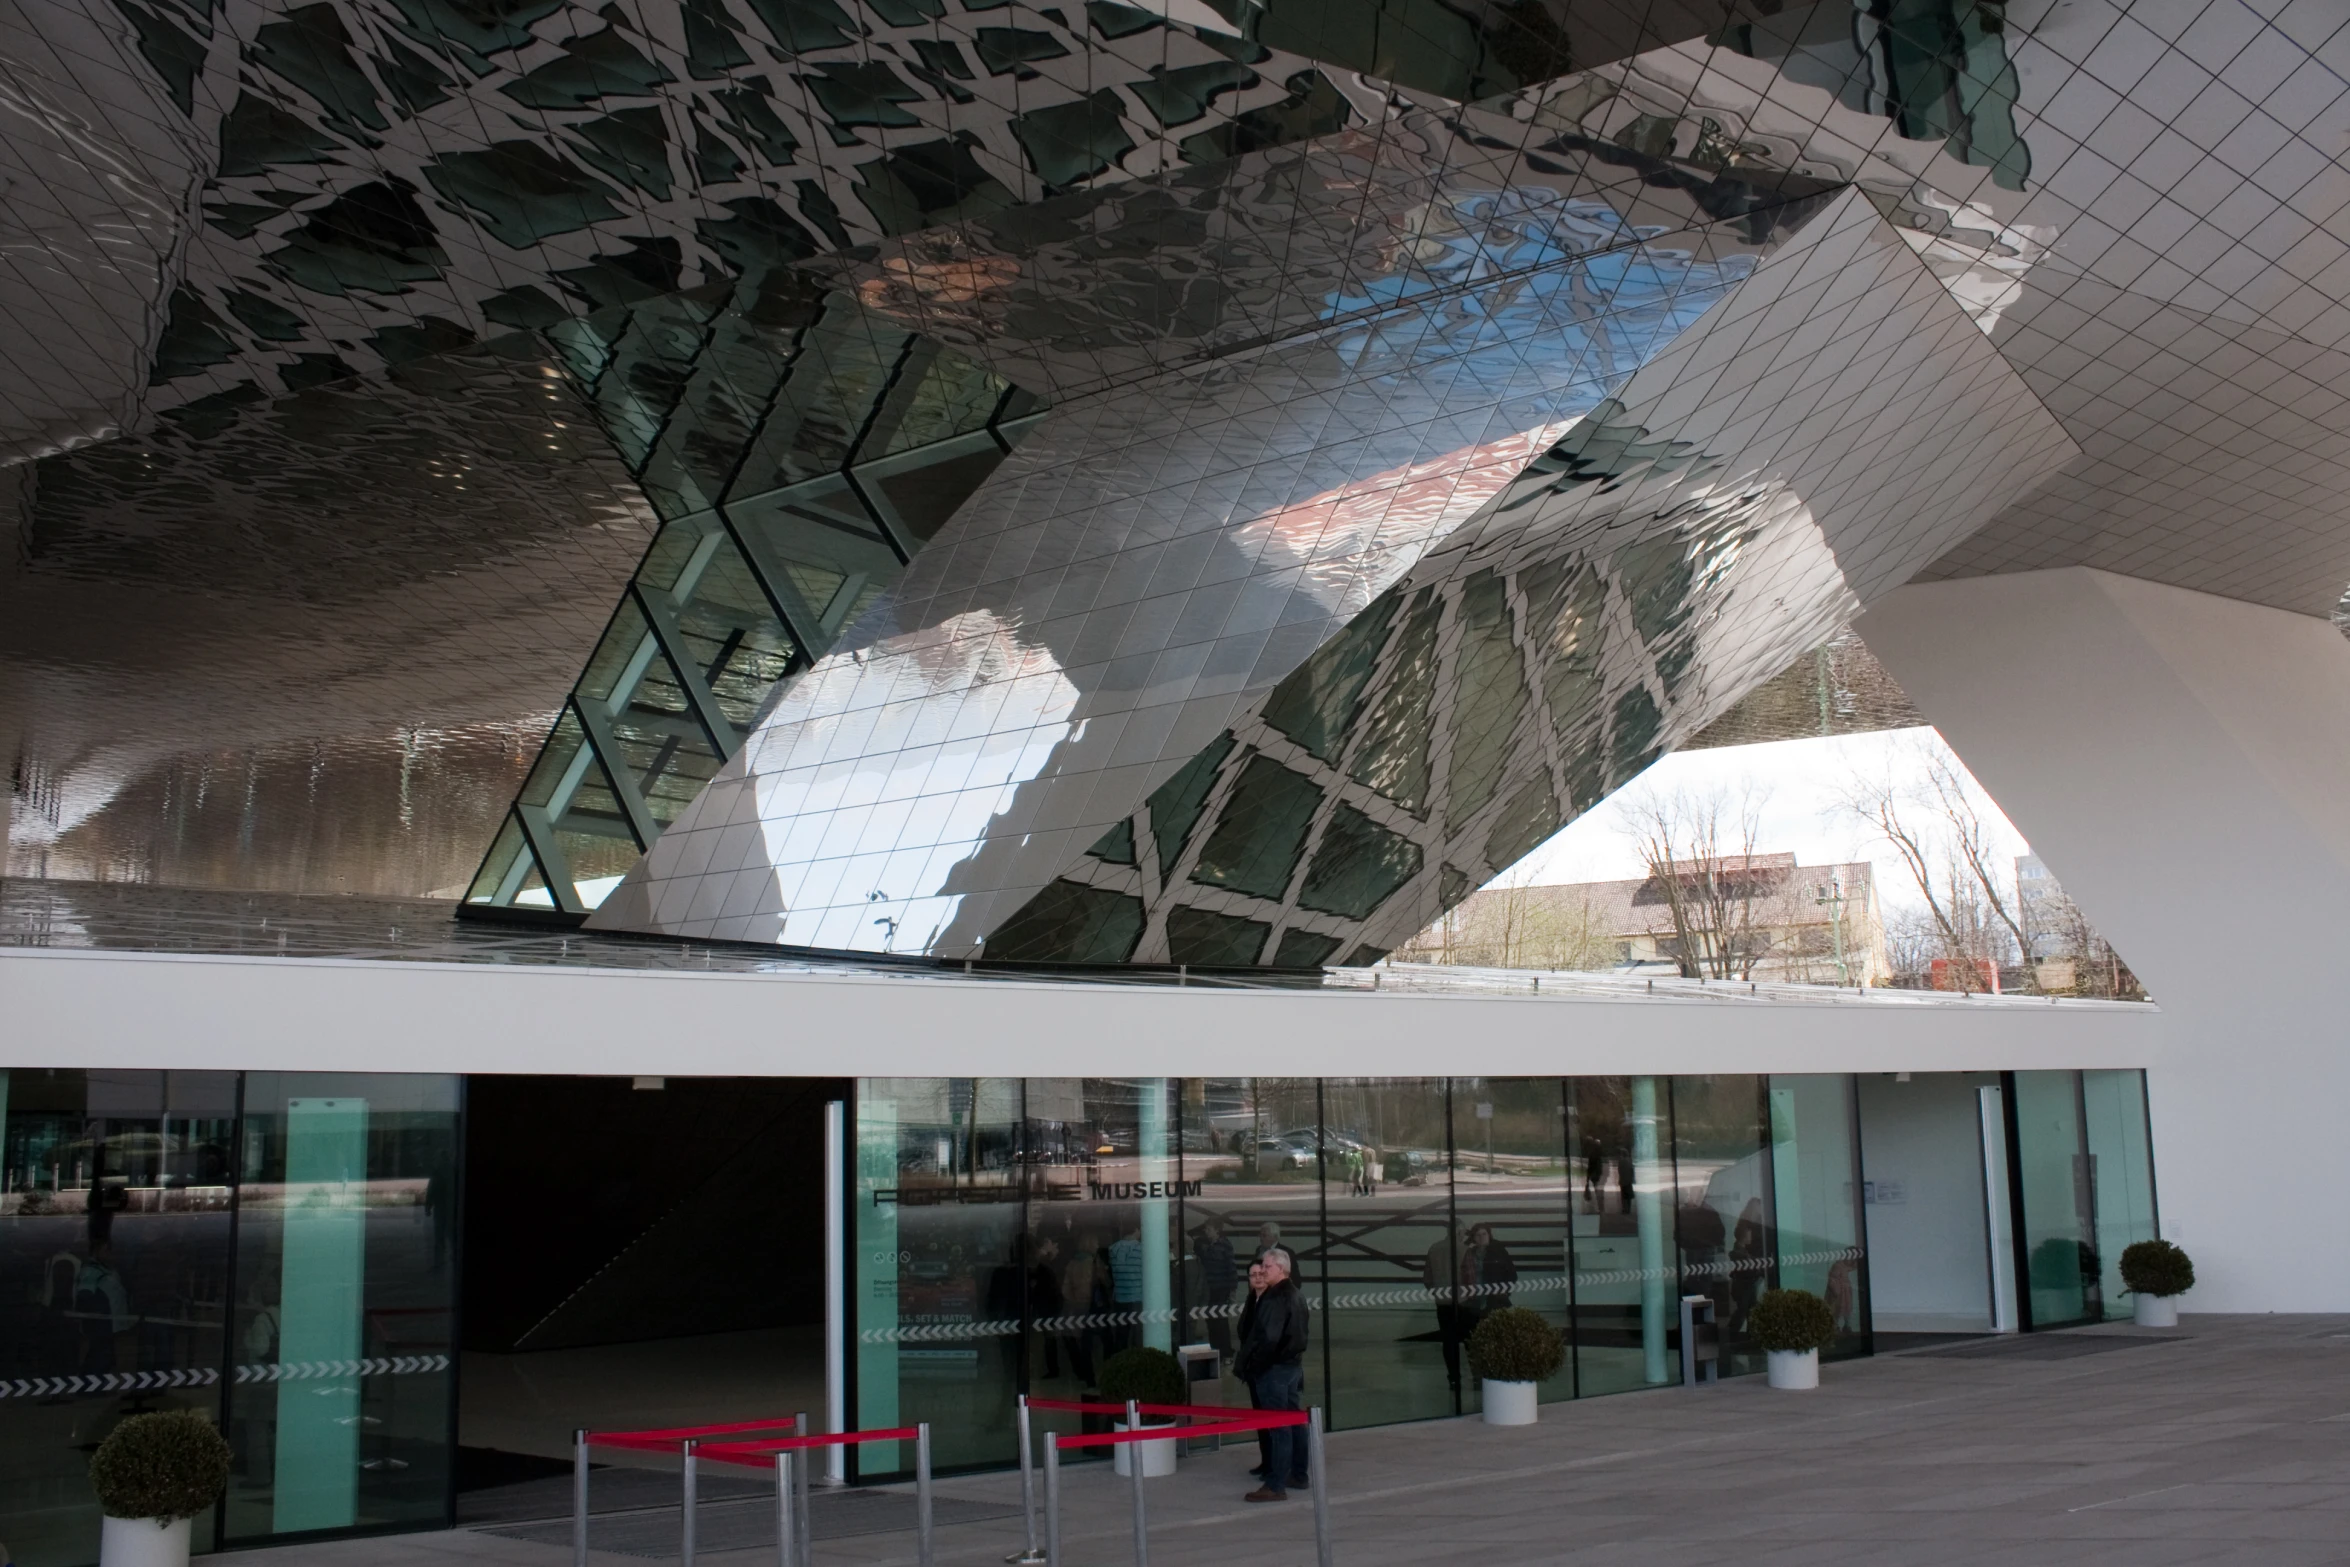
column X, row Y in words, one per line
column 2182, row 762
column 81, row 1008
column 1929, row 1258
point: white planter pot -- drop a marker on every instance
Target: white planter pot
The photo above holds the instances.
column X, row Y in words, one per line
column 1795, row 1368
column 1510, row 1403
column 2156, row 1311
column 1158, row 1458
column 142, row 1542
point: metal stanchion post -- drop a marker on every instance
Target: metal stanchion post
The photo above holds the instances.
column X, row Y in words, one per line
column 1142, row 1545
column 803, row 1515
column 579, row 1482
column 1029, row 1555
column 1318, row 1472
column 922, row 1545
column 787, row 1530
column 1052, row 1501
column 685, row 1538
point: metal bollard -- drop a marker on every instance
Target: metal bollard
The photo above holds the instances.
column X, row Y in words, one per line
column 1142, row 1544
column 1028, row 1555
column 1318, row 1471
column 922, row 1545
column 803, row 1514
column 579, row 1498
column 1052, row 1501
column 686, row 1529
column 787, row 1529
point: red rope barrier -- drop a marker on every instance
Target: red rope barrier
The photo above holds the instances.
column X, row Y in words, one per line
column 749, row 1452
column 1174, row 1411
column 676, row 1434
column 1237, row 1425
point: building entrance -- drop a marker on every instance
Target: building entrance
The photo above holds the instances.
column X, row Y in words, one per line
column 638, row 1253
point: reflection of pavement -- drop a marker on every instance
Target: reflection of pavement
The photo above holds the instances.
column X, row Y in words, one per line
column 2112, row 1456
column 532, row 1403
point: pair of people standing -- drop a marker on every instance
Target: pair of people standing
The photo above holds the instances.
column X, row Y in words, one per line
column 1271, row 1361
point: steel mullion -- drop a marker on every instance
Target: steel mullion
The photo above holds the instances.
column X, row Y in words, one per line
column 725, row 739
column 606, row 745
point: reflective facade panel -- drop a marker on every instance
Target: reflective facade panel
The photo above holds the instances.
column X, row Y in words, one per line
column 799, row 450
column 1162, row 553
column 1608, row 602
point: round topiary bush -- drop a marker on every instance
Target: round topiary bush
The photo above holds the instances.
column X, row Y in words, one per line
column 164, row 1466
column 1791, row 1320
column 1516, row 1345
column 1144, row 1375
column 2156, row 1268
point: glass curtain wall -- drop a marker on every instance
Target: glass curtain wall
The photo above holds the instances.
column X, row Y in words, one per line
column 2081, row 1163
column 275, row 1251
column 1398, row 1295
column 1623, row 1273
column 1814, row 1154
column 2057, row 1228
column 2121, row 1165
column 1510, row 1196
column 1011, row 1236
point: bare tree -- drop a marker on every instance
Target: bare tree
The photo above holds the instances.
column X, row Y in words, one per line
column 1519, row 926
column 1700, row 853
column 1946, row 847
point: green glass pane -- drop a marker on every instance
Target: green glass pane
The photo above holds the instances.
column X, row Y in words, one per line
column 2121, row 1159
column 824, row 568
column 1116, row 847
column 1563, row 611
column 832, row 393
column 918, row 491
column 938, row 394
column 614, row 661
column 1205, row 939
column 557, row 772
column 649, row 368
column 2064, row 1274
column 1632, row 737
column 661, row 741
column 1304, row 949
column 1393, row 758
column 1359, row 866
column 1316, row 705
column 1393, row 1324
column 1175, row 804
column 1491, row 687
column 592, row 833
column 718, row 412
column 1530, row 816
column 727, row 628
column 1069, row 922
column 502, row 870
column 1260, row 832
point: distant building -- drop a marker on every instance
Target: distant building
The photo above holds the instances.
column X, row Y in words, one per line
column 1759, row 916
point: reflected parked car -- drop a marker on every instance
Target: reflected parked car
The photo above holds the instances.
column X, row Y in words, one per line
column 1288, row 1151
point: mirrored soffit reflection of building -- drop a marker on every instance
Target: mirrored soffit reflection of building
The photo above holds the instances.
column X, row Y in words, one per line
column 1180, row 482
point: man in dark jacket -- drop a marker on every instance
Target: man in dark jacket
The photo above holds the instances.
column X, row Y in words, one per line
column 1272, row 1362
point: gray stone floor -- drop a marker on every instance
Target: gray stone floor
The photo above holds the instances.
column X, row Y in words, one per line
column 2228, row 1441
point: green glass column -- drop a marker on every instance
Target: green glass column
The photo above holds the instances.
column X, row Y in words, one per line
column 874, row 1286
column 1650, row 1178
column 1158, row 1298
column 322, row 1290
